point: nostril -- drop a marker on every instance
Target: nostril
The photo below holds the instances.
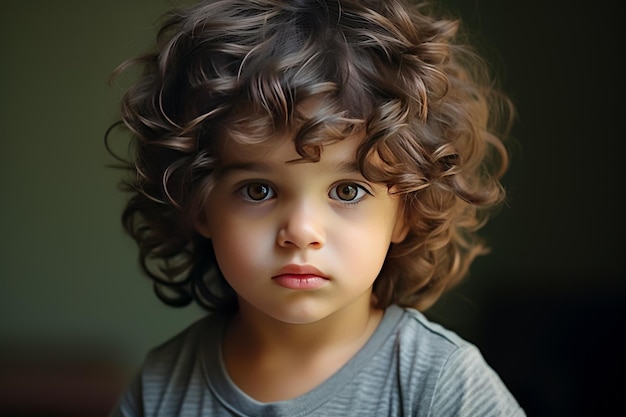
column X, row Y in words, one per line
column 291, row 243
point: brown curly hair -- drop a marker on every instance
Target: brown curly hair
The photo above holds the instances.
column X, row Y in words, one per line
column 240, row 70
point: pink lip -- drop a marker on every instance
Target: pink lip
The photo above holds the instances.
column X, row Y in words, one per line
column 300, row 277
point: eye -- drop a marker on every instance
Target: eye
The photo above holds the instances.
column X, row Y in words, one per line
column 256, row 191
column 348, row 192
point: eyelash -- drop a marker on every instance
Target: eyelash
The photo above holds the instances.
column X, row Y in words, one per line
column 269, row 193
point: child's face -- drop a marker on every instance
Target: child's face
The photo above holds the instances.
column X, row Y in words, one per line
column 299, row 241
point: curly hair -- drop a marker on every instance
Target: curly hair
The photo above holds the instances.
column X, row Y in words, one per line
column 239, row 70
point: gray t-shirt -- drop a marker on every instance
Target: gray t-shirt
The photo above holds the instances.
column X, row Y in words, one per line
column 409, row 367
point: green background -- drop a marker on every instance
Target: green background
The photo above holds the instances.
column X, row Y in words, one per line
column 68, row 274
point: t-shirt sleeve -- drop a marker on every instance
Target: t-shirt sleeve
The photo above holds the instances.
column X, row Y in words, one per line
column 129, row 404
column 468, row 386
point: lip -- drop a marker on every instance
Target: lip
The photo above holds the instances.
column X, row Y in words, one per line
column 300, row 277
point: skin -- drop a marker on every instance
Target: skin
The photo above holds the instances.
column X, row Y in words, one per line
column 302, row 244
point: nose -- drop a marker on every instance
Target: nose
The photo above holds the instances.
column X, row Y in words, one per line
column 302, row 227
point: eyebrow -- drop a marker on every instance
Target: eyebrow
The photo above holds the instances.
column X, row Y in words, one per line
column 344, row 167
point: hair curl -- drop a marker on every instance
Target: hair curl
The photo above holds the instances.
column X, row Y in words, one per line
column 239, row 70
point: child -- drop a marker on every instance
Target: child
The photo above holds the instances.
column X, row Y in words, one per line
column 313, row 173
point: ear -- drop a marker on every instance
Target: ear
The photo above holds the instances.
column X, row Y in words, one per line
column 400, row 230
column 401, row 226
column 201, row 226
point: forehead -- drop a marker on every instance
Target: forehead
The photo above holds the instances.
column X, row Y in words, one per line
column 236, row 151
column 281, row 150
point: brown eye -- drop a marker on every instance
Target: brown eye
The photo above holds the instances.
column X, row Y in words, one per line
column 348, row 192
column 257, row 191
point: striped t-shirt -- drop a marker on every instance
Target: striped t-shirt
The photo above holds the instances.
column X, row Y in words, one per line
column 409, row 367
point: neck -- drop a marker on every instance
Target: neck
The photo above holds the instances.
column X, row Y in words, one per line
column 349, row 327
column 272, row 360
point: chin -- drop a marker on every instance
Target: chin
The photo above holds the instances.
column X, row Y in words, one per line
column 300, row 313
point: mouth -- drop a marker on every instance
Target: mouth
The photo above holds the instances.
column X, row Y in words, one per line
column 300, row 277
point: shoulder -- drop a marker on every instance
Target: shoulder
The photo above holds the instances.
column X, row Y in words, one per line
column 171, row 371
column 183, row 349
column 417, row 335
column 164, row 366
column 175, row 366
column 452, row 370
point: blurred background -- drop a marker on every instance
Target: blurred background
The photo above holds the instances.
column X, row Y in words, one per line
column 546, row 306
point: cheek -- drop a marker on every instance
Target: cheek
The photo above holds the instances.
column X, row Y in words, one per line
column 364, row 248
column 239, row 248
